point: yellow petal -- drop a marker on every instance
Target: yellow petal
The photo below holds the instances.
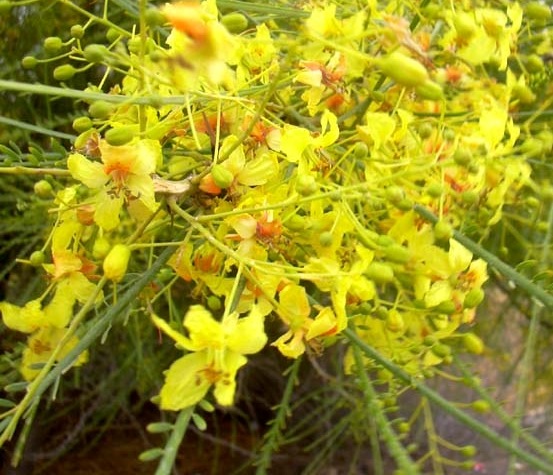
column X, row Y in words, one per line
column 24, row 319
column 107, row 210
column 248, row 336
column 226, row 386
column 185, row 382
column 179, row 338
column 59, row 311
column 88, row 172
column 204, row 330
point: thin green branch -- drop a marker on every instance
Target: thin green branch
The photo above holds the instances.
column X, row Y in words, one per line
column 171, row 448
column 448, row 406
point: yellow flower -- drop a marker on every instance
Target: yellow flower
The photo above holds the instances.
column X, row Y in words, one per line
column 217, row 353
column 124, row 176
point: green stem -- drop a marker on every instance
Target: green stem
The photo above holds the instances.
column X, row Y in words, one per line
column 34, row 171
column 171, row 449
column 387, row 433
column 273, row 435
column 262, row 8
column 447, row 406
column 525, row 284
column 35, row 128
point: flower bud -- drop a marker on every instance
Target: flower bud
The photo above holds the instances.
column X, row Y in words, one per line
column 95, row 53
column 154, row 17
column 82, row 124
column 430, row 90
column 29, row 62
column 325, row 239
column 37, row 258
column 101, row 248
column 43, row 189
column 235, row 22
column 473, row 343
column 403, row 69
column 77, row 31
column 473, row 298
column 100, row 109
column 222, row 176
column 379, row 273
column 53, row 44
column 116, row 262
column 306, row 185
column 119, row 135
column 64, row 72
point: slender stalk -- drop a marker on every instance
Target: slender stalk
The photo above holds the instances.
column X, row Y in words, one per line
column 447, row 406
column 171, row 449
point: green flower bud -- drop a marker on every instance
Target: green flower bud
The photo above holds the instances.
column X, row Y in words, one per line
column 462, row 156
column 473, row 343
column 112, row 35
column 235, row 22
column 214, row 303
column 481, row 406
column 53, row 44
column 403, row 69
column 425, row 130
column 64, row 72
column 435, row 190
column 538, row 12
column 441, row 350
column 361, row 150
column 306, row 185
column 116, row 262
column 29, row 62
column 37, row 258
column 295, row 223
column 430, row 90
column 394, row 194
column 534, row 64
column 473, row 298
column 82, row 124
column 95, row 53
column 222, row 176
column 397, row 253
column 470, row 197
column 119, row 135
column 155, row 17
column 468, row 451
column 394, row 321
column 100, row 109
column 77, row 31
column 379, row 272
column 43, row 189
column 101, row 248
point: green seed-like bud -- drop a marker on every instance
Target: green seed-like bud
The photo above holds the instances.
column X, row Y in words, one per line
column 443, row 231
column 534, row 64
column 306, row 185
column 462, row 156
column 403, row 69
column 101, row 248
column 235, row 22
column 119, row 135
column 397, row 253
column 380, row 273
column 222, row 176
column 82, row 124
column 430, row 90
column 481, row 406
column 325, row 239
column 538, row 12
column 64, row 72
column 470, row 197
column 441, row 350
column 435, row 190
column 95, row 53
column 425, row 130
column 473, row 298
column 468, row 451
column 214, row 303
column 523, row 93
column 43, row 189
column 134, row 44
column 53, row 44
column 361, row 150
column 37, row 258
column 116, row 262
column 112, row 35
column 394, row 194
column 100, row 109
column 154, row 17
column 473, row 343
column 29, row 62
column 296, row 223
column 77, row 31
column 448, row 307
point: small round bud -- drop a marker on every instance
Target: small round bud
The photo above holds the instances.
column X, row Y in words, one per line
column 443, row 231
column 43, row 189
column 155, row 17
column 394, row 321
column 116, row 262
column 37, row 258
column 425, row 130
column 82, row 124
column 481, row 406
column 112, row 35
column 52, row 44
column 441, row 350
column 29, row 62
column 235, row 22
column 468, row 451
column 77, row 31
column 101, row 248
column 462, row 156
column 306, row 185
column 473, row 298
column 100, row 109
column 95, row 53
column 380, row 273
column 473, row 343
column 222, row 176
column 430, row 90
column 403, row 69
column 214, row 303
column 64, row 72
column 361, row 150
column 119, row 135
column 435, row 190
